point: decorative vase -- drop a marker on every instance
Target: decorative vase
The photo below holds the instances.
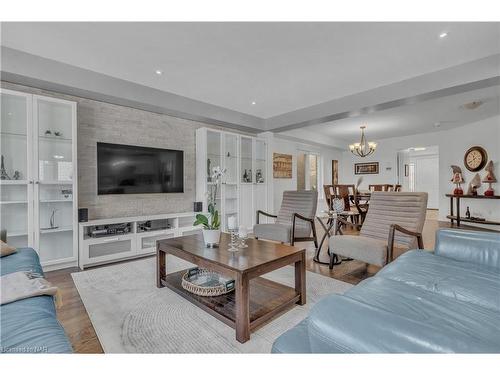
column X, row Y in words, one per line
column 489, row 192
column 211, row 237
column 458, row 190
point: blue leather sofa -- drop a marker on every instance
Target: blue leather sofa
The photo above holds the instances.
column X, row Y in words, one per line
column 442, row 302
column 29, row 325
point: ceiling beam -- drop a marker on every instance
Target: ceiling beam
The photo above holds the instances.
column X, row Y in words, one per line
column 455, row 80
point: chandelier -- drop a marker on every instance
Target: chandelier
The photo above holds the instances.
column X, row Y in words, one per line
column 363, row 148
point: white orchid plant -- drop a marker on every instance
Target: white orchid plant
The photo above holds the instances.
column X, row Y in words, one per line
column 212, row 222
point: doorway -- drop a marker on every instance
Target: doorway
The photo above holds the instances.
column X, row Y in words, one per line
column 308, row 171
column 419, row 171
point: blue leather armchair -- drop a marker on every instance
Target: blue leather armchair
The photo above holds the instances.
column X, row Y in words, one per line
column 442, row 302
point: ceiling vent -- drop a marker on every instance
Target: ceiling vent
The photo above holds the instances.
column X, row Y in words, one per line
column 472, row 105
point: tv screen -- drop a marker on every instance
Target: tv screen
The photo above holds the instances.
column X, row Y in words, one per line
column 123, row 169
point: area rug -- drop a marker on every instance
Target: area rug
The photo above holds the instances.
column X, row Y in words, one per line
column 131, row 315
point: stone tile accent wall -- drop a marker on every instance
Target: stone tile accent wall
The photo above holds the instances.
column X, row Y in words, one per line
column 103, row 122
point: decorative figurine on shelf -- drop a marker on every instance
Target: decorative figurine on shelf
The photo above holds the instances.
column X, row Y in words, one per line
column 209, row 171
column 58, row 134
column 457, row 179
column 16, row 175
column 3, row 172
column 489, row 179
column 66, row 193
column 474, row 184
column 53, row 219
column 245, row 176
column 258, row 176
column 48, row 132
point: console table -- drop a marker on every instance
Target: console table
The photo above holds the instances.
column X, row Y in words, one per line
column 456, row 217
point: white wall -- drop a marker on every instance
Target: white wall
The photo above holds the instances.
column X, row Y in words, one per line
column 285, row 146
column 452, row 146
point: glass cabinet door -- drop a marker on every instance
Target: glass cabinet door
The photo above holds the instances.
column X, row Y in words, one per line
column 54, row 186
column 246, row 160
column 230, row 185
column 15, row 190
column 260, row 161
column 214, row 159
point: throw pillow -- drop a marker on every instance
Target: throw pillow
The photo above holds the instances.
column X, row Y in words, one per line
column 6, row 249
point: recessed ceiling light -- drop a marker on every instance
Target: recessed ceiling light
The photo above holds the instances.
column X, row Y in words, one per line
column 419, row 149
column 58, row 157
column 443, row 35
column 159, row 72
column 253, row 103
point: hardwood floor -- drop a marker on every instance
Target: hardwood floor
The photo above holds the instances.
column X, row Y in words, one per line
column 78, row 327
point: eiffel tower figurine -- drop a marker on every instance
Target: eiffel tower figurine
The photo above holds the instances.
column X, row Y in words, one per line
column 3, row 172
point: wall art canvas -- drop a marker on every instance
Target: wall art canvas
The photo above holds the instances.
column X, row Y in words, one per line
column 366, row 168
column 282, row 165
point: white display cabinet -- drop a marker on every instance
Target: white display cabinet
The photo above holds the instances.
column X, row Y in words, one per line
column 39, row 187
column 243, row 188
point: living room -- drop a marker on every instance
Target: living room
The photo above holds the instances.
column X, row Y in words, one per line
column 250, row 187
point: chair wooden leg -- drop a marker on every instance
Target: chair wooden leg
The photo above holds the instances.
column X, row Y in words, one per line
column 314, row 235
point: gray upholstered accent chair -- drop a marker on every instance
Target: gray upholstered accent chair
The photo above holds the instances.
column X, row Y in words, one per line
column 295, row 220
column 394, row 219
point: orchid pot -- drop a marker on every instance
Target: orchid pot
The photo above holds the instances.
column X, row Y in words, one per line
column 211, row 237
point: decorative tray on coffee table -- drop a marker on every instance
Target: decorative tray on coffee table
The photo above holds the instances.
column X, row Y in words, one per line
column 206, row 283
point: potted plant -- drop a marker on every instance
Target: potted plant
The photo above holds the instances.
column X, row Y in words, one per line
column 211, row 224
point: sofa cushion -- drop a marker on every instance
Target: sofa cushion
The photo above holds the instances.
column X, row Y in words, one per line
column 295, row 340
column 469, row 246
column 6, row 249
column 468, row 282
column 369, row 250
column 340, row 323
column 275, row 232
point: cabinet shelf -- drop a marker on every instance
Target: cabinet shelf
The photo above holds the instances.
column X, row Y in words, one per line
column 56, row 200
column 13, row 182
column 17, row 234
column 55, row 182
column 56, row 230
column 10, row 134
column 13, row 202
column 55, row 139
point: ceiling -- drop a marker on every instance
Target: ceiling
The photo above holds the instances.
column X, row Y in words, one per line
column 283, row 67
column 428, row 116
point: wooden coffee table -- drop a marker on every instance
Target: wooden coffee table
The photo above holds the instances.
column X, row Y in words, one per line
column 255, row 300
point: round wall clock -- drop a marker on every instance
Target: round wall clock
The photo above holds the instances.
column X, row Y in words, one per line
column 475, row 158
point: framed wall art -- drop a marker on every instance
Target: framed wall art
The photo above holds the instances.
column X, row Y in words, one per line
column 282, row 165
column 366, row 168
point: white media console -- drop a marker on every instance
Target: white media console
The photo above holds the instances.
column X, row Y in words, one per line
column 129, row 237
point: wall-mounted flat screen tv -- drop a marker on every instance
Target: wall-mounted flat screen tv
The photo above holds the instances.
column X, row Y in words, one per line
column 123, row 169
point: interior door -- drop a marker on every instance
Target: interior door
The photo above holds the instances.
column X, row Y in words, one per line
column 427, row 178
